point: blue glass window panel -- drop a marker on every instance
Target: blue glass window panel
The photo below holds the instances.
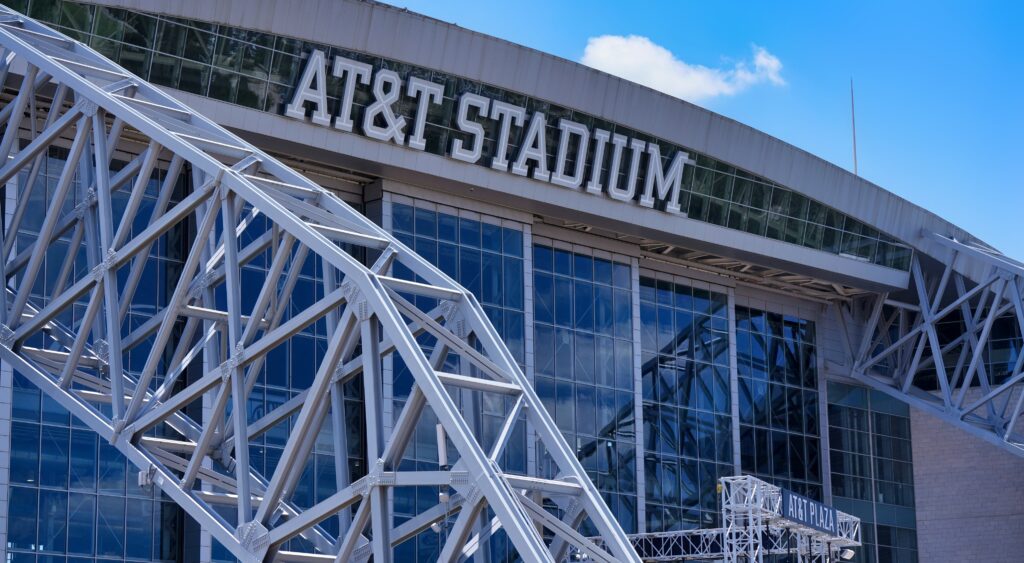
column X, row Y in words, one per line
column 723, row 438
column 669, row 422
column 112, row 469
column 622, row 275
column 496, row 316
column 22, row 518
column 513, row 283
column 544, row 298
column 623, row 314
column 666, row 331
column 586, row 410
column 564, row 359
column 514, row 335
column 705, row 387
column 583, row 267
column 623, row 364
column 303, row 368
column 746, row 404
column 276, row 370
column 604, row 349
column 447, row 227
column 83, row 460
column 491, row 279
column 326, row 482
column 25, row 404
column 469, row 233
column 565, row 416
column 52, row 412
column 426, row 222
column 563, row 262
column 546, row 391
column 252, row 283
column 648, row 290
column 649, row 327
column 603, row 271
column 448, row 259
column 603, row 319
column 708, row 485
column 563, row 301
column 777, row 406
column 543, row 258
column 402, row 218
column 585, row 356
column 606, row 413
column 427, row 248
column 583, row 293
column 53, row 514
column 544, row 349
column 168, row 532
column 665, row 293
column 624, row 407
column 720, row 391
column 24, row 453
column 53, row 455
column 701, row 301
column 512, row 242
column 469, row 269
column 139, row 533
column 653, row 471
column 761, row 399
column 684, row 334
column 110, row 526
column 491, row 237
column 780, row 454
column 81, row 518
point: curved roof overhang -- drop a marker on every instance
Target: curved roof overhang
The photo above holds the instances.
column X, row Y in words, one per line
column 399, row 34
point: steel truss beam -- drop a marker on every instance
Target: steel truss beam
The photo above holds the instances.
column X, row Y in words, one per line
column 754, row 528
column 244, row 209
column 936, row 353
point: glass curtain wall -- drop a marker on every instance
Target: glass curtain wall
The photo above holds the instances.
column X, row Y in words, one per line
column 583, row 367
column 686, row 402
column 778, row 400
column 872, row 470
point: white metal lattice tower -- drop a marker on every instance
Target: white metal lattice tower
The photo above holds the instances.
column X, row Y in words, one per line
column 70, row 338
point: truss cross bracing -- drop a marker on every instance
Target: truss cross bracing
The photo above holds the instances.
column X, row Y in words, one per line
column 753, row 529
column 955, row 349
column 68, row 334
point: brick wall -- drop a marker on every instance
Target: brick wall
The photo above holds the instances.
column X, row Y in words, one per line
column 970, row 496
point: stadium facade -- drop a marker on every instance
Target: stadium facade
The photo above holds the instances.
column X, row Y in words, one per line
column 689, row 298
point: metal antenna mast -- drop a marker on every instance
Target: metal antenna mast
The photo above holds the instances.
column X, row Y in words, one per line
column 853, row 122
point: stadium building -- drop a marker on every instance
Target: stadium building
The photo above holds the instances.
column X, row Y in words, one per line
column 683, row 297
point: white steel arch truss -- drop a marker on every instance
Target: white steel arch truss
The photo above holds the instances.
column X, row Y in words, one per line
column 937, row 352
column 70, row 336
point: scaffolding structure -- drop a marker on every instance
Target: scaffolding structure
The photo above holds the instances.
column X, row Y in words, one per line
column 754, row 528
column 69, row 335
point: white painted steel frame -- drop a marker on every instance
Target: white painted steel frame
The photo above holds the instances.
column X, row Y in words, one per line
column 753, row 529
column 891, row 355
column 217, row 347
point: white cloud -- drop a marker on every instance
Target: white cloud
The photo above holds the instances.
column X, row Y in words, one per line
column 641, row 60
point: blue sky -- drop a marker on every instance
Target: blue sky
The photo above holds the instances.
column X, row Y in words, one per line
column 939, row 85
